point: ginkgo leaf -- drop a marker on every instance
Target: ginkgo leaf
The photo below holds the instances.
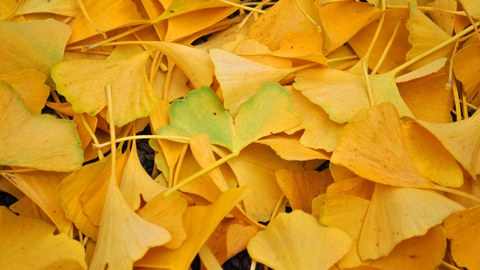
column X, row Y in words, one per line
column 462, row 230
column 320, row 132
column 427, row 98
column 177, row 7
column 203, row 153
column 29, row 83
column 362, row 40
column 465, row 71
column 199, row 72
column 167, row 212
column 7, row 9
column 290, row 148
column 442, row 17
column 241, row 78
column 461, row 139
column 298, row 241
column 301, row 187
column 347, row 213
column 83, row 83
column 340, row 21
column 420, row 252
column 31, row 244
column 123, row 236
column 268, row 112
column 82, row 194
column 374, row 148
column 396, row 214
column 472, row 7
column 425, row 70
column 136, row 183
column 200, row 222
column 230, row 237
column 67, row 8
column 426, row 152
column 286, row 16
column 204, row 186
column 193, row 23
column 41, row 188
column 255, row 167
column 424, row 35
column 35, row 44
column 354, row 185
column 106, row 15
column 36, row 141
column 344, row 95
column 307, row 45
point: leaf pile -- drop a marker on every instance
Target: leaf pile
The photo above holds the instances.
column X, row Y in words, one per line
column 330, row 134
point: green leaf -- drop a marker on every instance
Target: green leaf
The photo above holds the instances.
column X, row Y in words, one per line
column 268, row 112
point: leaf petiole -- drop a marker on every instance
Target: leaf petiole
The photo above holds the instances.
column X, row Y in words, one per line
column 201, row 172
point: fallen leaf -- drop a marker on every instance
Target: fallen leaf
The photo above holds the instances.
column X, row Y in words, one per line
column 83, row 84
column 31, row 244
column 36, row 141
column 298, row 241
column 461, row 228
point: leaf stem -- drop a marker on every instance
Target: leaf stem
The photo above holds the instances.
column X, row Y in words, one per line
column 201, row 172
column 144, row 137
column 242, row 6
column 386, row 50
column 108, row 90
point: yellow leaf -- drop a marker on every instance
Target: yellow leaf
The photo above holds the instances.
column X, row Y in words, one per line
column 290, row 148
column 374, row 148
column 466, row 71
column 472, row 7
column 442, row 17
column 347, row 213
column 399, row 48
column 424, row 35
column 36, row 141
column 199, row 72
column 298, row 241
column 41, row 188
column 68, row 8
column 461, row 139
column 301, row 187
column 35, row 44
column 83, row 83
column 136, row 183
column 82, row 194
column 283, row 18
column 30, row 85
column 341, row 21
column 106, row 15
column 396, row 214
column 184, row 25
column 123, row 236
column 427, row 98
column 255, row 167
column 241, row 78
column 200, row 222
column 431, row 159
column 203, row 153
column 167, row 212
column 320, row 132
column 344, row 95
column 31, row 244
column 462, row 229
column 421, row 252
